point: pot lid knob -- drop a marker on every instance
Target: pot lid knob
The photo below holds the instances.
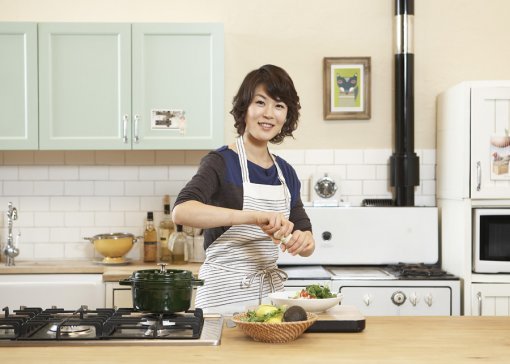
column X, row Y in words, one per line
column 162, row 267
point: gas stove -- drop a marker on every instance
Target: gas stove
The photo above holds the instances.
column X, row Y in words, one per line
column 382, row 259
column 34, row 326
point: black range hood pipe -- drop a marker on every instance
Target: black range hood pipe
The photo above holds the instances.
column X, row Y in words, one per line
column 404, row 163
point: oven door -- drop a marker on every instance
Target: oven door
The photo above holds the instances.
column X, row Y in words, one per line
column 491, row 240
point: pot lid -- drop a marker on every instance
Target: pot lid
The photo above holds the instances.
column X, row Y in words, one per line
column 161, row 275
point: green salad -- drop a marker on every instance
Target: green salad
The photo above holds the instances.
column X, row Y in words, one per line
column 315, row 291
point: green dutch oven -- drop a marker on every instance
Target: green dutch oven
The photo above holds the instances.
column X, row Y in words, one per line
column 162, row 290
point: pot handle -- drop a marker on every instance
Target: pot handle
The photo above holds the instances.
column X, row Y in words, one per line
column 89, row 239
column 125, row 282
column 136, row 239
column 197, row 282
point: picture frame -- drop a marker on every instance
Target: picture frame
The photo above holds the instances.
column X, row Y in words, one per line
column 346, row 88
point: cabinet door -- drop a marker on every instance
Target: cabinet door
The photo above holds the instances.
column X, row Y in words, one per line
column 118, row 296
column 490, row 299
column 85, row 86
column 18, row 86
column 490, row 143
column 177, row 67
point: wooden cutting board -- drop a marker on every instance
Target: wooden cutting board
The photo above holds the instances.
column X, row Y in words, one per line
column 340, row 318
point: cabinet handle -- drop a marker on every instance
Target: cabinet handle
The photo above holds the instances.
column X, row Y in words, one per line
column 124, row 128
column 479, row 297
column 136, row 137
column 478, row 176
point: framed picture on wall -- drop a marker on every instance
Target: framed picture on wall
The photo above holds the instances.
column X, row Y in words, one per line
column 346, row 88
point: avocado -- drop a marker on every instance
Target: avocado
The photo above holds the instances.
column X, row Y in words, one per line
column 295, row 313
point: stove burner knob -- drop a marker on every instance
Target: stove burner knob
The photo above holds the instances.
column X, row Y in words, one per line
column 428, row 300
column 398, row 298
column 326, row 235
column 413, row 298
column 367, row 298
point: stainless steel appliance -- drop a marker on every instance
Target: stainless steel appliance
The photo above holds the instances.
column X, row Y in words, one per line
column 31, row 326
column 383, row 261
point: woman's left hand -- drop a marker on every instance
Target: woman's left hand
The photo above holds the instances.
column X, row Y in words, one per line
column 301, row 242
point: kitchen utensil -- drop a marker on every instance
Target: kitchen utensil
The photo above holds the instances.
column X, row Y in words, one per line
column 267, row 332
column 162, row 290
column 113, row 246
column 308, row 304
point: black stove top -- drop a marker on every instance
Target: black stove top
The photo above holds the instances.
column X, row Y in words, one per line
column 419, row 271
column 57, row 324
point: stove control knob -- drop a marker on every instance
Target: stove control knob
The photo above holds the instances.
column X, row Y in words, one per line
column 326, row 235
column 413, row 298
column 398, row 298
column 367, row 299
column 428, row 300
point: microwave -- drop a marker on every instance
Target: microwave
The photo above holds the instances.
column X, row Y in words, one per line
column 491, row 240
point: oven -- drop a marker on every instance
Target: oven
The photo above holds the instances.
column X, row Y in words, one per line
column 382, row 260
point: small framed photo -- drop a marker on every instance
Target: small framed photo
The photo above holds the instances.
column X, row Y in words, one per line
column 346, row 88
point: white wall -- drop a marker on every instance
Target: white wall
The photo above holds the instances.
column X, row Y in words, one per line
column 455, row 40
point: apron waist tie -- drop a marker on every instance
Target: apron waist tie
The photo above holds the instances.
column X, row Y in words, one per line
column 261, row 274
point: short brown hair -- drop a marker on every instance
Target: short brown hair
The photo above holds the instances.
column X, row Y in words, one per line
column 279, row 86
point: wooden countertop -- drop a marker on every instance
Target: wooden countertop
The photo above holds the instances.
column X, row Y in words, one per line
column 111, row 273
column 385, row 340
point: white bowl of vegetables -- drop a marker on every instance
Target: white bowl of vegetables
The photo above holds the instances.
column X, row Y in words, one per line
column 313, row 298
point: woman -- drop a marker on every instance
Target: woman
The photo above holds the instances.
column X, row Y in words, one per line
column 247, row 199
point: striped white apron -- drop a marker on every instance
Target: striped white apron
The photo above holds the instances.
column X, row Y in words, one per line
column 240, row 266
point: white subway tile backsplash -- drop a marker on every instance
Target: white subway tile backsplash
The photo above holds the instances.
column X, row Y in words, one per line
column 109, row 219
column 65, row 235
column 139, row 188
column 348, row 156
column 377, row 156
column 125, row 203
column 48, row 219
column 33, row 203
column 292, row 156
column 153, row 173
column 360, row 172
column 64, row 203
column 79, row 219
column 33, row 173
column 92, row 203
column 79, row 188
column 319, row 156
column 123, row 173
column 48, row 188
column 94, row 173
column 108, row 188
column 60, row 203
column 63, row 173
column 18, row 188
column 181, row 173
column 8, row 173
column 374, row 188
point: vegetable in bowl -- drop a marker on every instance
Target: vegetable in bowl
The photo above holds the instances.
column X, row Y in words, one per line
column 315, row 291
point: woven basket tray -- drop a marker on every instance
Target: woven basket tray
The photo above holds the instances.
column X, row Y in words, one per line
column 274, row 332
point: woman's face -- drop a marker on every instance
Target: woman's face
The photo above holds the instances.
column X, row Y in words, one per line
column 265, row 116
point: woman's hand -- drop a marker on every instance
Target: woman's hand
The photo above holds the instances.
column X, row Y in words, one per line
column 274, row 224
column 301, row 242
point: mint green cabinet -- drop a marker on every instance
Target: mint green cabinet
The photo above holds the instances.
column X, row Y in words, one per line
column 18, row 86
column 130, row 86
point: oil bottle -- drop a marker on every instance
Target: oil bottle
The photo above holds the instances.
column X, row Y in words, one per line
column 166, row 228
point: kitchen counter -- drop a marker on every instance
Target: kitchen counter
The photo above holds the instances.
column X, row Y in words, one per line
column 111, row 273
column 385, row 339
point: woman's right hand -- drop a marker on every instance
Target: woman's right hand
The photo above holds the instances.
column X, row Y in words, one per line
column 274, row 224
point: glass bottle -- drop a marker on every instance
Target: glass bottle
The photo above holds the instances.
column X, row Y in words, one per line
column 166, row 228
column 178, row 246
column 150, row 240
